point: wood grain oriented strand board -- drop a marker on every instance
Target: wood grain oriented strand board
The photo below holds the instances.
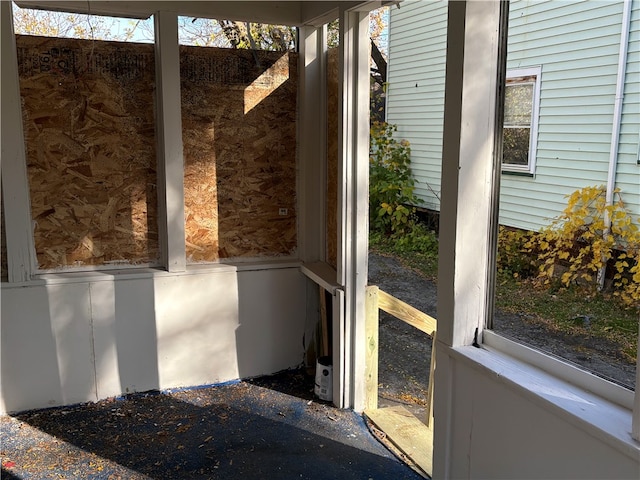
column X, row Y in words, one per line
column 91, row 161
column 239, row 135
column 90, row 134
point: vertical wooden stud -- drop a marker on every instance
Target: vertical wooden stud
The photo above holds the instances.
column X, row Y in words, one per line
column 371, row 359
column 432, row 369
column 312, row 140
column 21, row 258
column 353, row 194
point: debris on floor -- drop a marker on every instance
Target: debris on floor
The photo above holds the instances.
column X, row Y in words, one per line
column 248, row 429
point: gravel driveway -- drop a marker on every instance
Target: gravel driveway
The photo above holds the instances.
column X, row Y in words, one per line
column 405, row 352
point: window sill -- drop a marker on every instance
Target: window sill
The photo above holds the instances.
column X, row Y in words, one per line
column 560, row 368
column 600, row 418
column 518, row 174
column 323, row 274
column 149, row 272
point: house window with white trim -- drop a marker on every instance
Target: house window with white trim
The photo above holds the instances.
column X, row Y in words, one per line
column 522, row 98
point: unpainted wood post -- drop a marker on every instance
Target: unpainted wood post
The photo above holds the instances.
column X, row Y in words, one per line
column 371, row 356
column 432, row 370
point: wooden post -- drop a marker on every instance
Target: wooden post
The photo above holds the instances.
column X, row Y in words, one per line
column 353, row 199
column 21, row 257
column 170, row 154
column 371, row 354
column 432, row 370
column 312, row 125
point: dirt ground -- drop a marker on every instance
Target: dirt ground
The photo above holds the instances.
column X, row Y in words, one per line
column 405, row 352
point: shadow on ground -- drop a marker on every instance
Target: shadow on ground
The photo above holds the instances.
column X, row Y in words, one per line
column 241, row 430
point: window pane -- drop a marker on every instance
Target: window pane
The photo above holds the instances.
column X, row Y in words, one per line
column 553, row 252
column 518, row 104
column 515, row 149
column 46, row 23
column 205, row 32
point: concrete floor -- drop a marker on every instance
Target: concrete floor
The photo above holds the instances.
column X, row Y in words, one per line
column 269, row 428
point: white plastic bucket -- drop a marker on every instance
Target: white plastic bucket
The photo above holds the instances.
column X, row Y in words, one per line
column 324, row 379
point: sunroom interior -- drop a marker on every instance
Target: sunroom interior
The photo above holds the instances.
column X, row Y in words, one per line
column 75, row 333
column 233, row 295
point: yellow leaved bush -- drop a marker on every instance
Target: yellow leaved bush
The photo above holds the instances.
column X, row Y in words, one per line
column 582, row 241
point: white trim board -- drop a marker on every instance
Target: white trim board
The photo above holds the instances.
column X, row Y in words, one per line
column 598, row 417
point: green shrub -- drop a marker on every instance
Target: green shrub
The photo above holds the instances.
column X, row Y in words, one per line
column 391, row 183
column 514, row 258
column 419, row 239
column 418, row 248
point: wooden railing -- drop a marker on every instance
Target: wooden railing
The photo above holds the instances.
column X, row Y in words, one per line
column 380, row 300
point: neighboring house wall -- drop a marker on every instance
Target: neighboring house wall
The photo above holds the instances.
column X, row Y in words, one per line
column 576, row 46
column 628, row 178
column 415, row 95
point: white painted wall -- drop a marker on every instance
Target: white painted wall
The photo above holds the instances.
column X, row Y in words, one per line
column 75, row 339
column 510, row 422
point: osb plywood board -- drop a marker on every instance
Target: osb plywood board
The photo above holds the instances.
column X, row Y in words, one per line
column 239, row 135
column 91, row 160
column 332, row 154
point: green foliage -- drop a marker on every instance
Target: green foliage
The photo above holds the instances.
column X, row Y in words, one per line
column 419, row 239
column 579, row 239
column 418, row 248
column 391, row 183
column 514, row 258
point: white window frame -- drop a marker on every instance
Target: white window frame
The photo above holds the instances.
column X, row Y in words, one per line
column 21, row 252
column 536, row 72
column 556, row 367
column 466, row 284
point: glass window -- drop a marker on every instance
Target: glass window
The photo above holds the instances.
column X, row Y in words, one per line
column 520, row 114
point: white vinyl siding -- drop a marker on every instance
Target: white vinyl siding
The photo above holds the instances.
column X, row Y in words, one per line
column 628, row 173
column 417, row 88
column 576, row 45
